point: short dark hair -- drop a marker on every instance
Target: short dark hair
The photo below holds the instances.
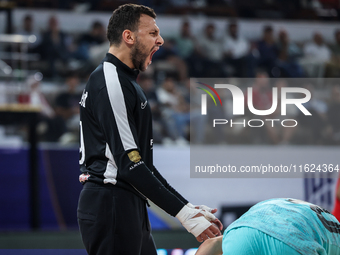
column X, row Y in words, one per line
column 126, row 17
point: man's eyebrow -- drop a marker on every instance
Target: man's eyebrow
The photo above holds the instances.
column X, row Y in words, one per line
column 155, row 30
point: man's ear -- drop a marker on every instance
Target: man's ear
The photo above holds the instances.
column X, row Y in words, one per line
column 128, row 37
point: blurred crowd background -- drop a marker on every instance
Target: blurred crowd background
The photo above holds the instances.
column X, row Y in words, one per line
column 51, row 70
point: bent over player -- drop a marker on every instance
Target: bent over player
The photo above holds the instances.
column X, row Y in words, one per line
column 280, row 227
column 116, row 146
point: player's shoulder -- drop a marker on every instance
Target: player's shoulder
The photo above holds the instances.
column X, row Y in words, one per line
column 278, row 201
column 96, row 79
column 107, row 74
column 282, row 203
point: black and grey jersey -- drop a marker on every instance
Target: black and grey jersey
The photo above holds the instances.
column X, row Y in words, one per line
column 115, row 125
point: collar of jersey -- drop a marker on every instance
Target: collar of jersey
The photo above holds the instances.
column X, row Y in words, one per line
column 120, row 65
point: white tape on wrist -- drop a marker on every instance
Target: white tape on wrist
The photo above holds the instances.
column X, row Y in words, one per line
column 193, row 225
column 206, row 211
column 191, row 205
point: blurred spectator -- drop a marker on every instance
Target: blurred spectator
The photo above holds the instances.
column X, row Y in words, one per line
column 335, row 48
column 333, row 114
column 28, row 29
column 187, row 49
column 262, row 100
column 268, row 51
column 167, row 50
column 96, row 42
column 316, row 54
column 175, row 110
column 237, row 52
column 211, row 47
column 37, row 98
column 64, row 127
column 27, row 25
column 198, row 122
column 211, row 50
column 262, row 92
column 67, row 103
column 312, row 128
column 283, row 135
column 167, row 59
column 53, row 47
column 89, row 49
column 96, row 36
column 333, row 67
column 288, row 52
column 147, row 84
column 201, row 129
column 158, row 126
column 185, row 41
column 317, row 49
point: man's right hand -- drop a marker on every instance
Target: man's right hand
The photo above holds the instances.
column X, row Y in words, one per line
column 210, row 232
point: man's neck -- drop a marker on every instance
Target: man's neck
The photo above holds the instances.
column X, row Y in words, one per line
column 123, row 55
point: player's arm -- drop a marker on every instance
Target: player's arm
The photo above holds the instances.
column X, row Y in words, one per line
column 207, row 209
column 114, row 114
column 146, row 183
column 168, row 186
column 211, row 246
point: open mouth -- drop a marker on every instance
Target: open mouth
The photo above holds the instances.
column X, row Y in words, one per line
column 153, row 52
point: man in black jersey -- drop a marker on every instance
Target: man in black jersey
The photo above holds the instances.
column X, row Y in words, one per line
column 116, row 148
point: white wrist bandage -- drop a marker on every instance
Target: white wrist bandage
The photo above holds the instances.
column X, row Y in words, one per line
column 193, row 225
column 206, row 211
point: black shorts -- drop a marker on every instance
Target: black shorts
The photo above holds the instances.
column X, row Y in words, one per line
column 114, row 221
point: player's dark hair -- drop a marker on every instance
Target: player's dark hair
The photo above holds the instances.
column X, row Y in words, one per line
column 126, row 17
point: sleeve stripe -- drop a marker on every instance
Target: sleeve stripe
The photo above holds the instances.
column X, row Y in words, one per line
column 110, row 173
column 117, row 101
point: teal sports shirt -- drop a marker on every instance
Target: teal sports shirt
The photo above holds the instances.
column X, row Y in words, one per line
column 306, row 227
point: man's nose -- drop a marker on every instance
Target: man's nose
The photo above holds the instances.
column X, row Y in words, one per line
column 160, row 40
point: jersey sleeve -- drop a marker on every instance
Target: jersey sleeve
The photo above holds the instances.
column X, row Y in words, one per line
column 168, row 186
column 114, row 110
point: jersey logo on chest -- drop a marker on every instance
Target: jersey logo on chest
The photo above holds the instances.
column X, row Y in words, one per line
column 143, row 105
